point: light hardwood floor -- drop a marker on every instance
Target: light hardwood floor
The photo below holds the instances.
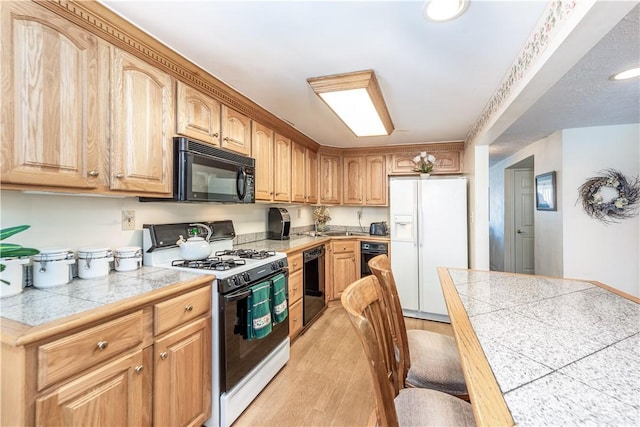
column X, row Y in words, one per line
column 326, row 382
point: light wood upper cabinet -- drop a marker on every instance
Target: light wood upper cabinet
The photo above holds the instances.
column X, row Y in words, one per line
column 262, row 148
column 298, row 173
column 365, row 180
column 311, row 166
column 236, row 131
column 52, row 104
column 282, row 169
column 197, row 115
column 142, row 126
column 446, row 162
column 376, row 181
column 330, row 179
column 352, row 189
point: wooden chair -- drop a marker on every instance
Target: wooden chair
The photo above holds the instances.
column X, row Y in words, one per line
column 427, row 359
column 408, row 406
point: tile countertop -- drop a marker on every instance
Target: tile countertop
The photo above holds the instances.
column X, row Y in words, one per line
column 35, row 307
column 562, row 351
column 301, row 242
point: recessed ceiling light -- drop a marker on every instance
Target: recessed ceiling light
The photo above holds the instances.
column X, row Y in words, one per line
column 357, row 100
column 628, row 74
column 444, row 10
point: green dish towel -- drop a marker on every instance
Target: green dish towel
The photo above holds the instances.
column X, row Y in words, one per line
column 259, row 311
column 279, row 309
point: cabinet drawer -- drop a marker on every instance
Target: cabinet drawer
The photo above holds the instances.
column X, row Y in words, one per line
column 295, row 318
column 343, row 246
column 181, row 309
column 295, row 262
column 62, row 358
column 295, row 286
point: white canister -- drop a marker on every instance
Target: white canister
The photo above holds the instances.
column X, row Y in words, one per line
column 128, row 258
column 12, row 276
column 52, row 267
column 94, row 262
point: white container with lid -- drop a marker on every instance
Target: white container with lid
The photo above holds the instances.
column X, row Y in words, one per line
column 12, row 276
column 94, row 262
column 52, row 267
column 128, row 258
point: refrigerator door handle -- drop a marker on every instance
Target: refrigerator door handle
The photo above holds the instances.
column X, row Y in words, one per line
column 417, row 241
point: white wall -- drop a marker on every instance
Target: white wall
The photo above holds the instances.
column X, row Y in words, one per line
column 547, row 155
column 476, row 170
column 348, row 216
column 593, row 250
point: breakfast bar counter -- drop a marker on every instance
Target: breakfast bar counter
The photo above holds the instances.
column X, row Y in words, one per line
column 545, row 351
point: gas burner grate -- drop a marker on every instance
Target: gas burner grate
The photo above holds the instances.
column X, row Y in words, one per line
column 247, row 253
column 212, row 263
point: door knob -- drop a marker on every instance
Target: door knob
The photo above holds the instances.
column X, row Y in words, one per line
column 520, row 231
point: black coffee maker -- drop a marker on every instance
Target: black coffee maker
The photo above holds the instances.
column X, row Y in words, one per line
column 279, row 224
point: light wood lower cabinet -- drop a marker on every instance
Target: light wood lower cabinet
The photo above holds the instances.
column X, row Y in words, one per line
column 296, row 289
column 295, row 319
column 345, row 261
column 149, row 365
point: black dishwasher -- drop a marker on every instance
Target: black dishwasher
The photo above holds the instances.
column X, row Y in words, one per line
column 313, row 299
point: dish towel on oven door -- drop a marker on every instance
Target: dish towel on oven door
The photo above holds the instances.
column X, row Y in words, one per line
column 279, row 311
column 259, row 311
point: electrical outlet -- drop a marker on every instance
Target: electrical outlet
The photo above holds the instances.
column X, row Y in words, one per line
column 128, row 220
column 299, row 213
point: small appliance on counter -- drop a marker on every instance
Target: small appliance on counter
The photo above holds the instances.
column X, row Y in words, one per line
column 279, row 224
column 378, row 229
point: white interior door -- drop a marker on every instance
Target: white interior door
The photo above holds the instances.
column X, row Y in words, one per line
column 524, row 229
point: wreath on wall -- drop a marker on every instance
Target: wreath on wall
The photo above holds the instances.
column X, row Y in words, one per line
column 610, row 197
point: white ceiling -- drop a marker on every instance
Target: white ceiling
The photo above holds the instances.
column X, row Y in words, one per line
column 436, row 77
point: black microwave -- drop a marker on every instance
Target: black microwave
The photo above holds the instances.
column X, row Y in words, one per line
column 203, row 173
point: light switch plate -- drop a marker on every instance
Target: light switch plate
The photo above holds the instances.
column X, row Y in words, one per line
column 128, row 220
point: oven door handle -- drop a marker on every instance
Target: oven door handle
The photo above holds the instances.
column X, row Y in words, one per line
column 237, row 296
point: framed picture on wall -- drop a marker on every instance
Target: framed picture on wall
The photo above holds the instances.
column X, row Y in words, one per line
column 546, row 191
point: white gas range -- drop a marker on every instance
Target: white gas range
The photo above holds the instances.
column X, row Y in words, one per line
column 241, row 365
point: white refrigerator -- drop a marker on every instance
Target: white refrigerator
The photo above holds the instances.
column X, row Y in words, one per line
column 428, row 221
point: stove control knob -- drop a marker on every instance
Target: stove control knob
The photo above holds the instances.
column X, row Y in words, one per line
column 234, row 281
column 281, row 263
column 274, row 266
column 246, row 277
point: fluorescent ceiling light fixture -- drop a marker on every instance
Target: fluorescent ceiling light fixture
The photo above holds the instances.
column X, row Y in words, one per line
column 628, row 74
column 357, row 100
column 444, row 10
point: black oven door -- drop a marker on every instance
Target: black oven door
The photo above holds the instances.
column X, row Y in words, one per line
column 238, row 354
column 208, row 179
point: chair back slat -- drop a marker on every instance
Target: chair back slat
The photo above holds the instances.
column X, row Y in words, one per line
column 380, row 266
column 364, row 304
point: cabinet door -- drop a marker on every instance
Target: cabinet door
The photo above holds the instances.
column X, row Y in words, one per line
column 282, row 169
column 112, row 395
column 142, row 126
column 262, row 148
column 330, row 179
column 295, row 318
column 376, row 181
column 312, row 176
column 446, row 162
column 197, row 115
column 298, row 173
column 236, row 131
column 51, row 104
column 344, row 272
column 353, row 173
column 182, row 376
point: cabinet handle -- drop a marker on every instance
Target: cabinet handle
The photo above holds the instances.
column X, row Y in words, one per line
column 188, row 307
column 94, row 173
column 139, row 369
column 215, row 135
column 295, row 264
column 163, row 355
column 228, row 139
column 119, row 175
column 102, row 345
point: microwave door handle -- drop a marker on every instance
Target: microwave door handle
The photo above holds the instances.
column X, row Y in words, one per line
column 241, row 184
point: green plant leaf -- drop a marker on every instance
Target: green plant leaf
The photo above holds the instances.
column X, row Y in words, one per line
column 16, row 252
column 5, row 246
column 8, row 232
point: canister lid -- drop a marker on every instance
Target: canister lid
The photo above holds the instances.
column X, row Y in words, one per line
column 52, row 254
column 127, row 251
column 92, row 252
